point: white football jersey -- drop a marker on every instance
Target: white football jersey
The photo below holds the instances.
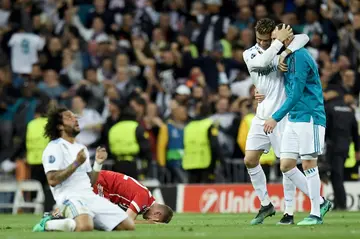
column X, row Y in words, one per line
column 58, row 155
column 267, row 79
column 24, row 51
column 262, row 66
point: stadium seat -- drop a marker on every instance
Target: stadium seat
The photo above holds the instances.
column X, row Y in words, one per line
column 7, row 188
column 29, row 186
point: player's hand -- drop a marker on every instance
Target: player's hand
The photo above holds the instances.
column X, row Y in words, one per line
column 259, row 97
column 100, row 155
column 284, row 33
column 282, row 66
column 269, row 126
column 81, row 157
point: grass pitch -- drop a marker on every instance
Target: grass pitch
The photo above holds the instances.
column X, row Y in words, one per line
column 336, row 225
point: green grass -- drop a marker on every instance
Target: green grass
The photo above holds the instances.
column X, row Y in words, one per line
column 336, row 225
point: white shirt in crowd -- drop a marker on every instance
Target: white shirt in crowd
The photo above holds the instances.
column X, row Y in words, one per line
column 89, row 117
column 24, row 51
column 262, row 66
column 58, row 155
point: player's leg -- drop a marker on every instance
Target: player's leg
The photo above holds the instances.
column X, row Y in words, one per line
column 256, row 143
column 108, row 216
column 288, row 186
column 311, row 143
column 77, row 217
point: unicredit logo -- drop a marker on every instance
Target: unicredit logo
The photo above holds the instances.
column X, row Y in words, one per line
column 208, row 199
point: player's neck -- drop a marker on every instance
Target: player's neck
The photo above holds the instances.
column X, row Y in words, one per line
column 68, row 138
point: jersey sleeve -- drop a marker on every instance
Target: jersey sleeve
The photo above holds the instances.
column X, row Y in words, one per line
column 52, row 158
column 12, row 41
column 300, row 40
column 254, row 60
column 298, row 85
column 40, row 43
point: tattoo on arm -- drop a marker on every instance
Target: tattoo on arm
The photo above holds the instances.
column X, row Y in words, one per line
column 56, row 177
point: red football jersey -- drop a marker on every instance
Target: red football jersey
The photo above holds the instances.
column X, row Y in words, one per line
column 124, row 191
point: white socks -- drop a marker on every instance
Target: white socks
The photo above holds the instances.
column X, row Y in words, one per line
column 64, row 225
column 289, row 195
column 313, row 182
column 258, row 181
column 300, row 181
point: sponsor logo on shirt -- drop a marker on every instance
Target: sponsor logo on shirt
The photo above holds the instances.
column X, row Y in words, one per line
column 267, row 70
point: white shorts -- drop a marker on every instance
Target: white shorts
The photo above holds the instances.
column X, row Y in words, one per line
column 304, row 139
column 258, row 140
column 106, row 215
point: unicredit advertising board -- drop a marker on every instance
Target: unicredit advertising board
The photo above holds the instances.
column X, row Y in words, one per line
column 231, row 198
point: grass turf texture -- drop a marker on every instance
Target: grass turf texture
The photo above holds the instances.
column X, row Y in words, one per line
column 336, row 225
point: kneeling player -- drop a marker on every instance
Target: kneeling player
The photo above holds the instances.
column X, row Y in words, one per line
column 131, row 196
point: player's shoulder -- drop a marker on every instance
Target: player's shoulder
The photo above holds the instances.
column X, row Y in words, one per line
column 54, row 144
column 251, row 52
column 303, row 52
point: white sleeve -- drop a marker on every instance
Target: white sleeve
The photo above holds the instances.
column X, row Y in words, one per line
column 300, row 40
column 84, row 32
column 259, row 61
column 52, row 158
column 40, row 43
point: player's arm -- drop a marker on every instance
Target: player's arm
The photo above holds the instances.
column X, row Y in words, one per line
column 100, row 157
column 259, row 61
column 52, row 161
column 299, row 41
column 301, row 73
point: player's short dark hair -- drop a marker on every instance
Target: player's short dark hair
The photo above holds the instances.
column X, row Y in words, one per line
column 54, row 119
column 167, row 212
column 265, row 26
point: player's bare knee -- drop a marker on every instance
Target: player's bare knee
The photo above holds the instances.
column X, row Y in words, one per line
column 307, row 164
column 84, row 223
column 84, row 227
column 287, row 164
column 252, row 158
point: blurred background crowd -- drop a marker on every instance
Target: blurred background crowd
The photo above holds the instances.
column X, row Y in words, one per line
column 154, row 66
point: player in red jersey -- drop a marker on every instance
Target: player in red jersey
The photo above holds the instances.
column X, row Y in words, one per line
column 132, row 196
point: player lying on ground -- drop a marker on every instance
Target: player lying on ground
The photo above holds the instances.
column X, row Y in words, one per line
column 132, row 196
column 70, row 176
column 304, row 133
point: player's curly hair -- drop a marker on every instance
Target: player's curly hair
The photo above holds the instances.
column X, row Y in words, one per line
column 54, row 119
column 265, row 26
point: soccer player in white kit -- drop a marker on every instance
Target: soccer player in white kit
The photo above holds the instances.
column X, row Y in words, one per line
column 262, row 61
column 69, row 173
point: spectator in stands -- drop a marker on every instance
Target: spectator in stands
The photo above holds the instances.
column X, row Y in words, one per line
column 90, row 123
column 201, row 147
column 170, row 145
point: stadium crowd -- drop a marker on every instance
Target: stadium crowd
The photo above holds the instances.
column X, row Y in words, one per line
column 160, row 63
